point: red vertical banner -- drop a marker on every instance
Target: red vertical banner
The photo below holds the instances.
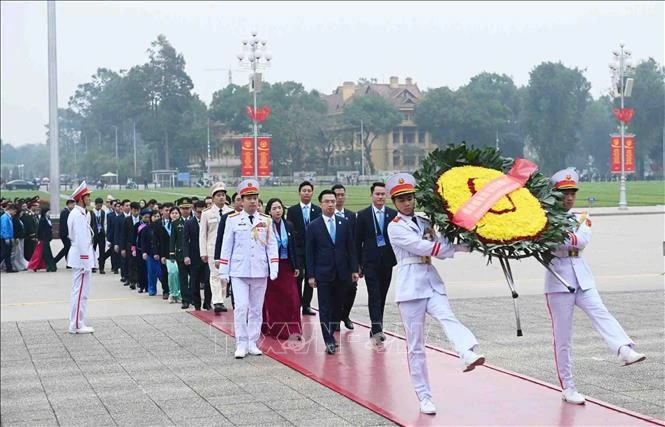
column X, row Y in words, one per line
column 264, row 156
column 629, row 153
column 615, row 153
column 247, row 156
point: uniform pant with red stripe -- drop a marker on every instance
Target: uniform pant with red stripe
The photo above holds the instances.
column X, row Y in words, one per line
column 80, row 291
column 249, row 294
column 413, row 316
column 560, row 306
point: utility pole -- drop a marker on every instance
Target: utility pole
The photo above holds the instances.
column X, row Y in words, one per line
column 362, row 150
column 134, row 137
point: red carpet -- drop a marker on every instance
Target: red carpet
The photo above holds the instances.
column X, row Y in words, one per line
column 379, row 380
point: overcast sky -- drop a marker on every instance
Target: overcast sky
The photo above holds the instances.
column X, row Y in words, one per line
column 318, row 44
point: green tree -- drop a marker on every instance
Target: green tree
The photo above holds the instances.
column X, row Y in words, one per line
column 648, row 99
column 440, row 113
column 556, row 99
column 378, row 117
column 595, row 148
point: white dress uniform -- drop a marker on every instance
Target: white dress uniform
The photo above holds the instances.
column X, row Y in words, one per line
column 249, row 256
column 81, row 259
column 210, row 219
column 570, row 265
column 421, row 291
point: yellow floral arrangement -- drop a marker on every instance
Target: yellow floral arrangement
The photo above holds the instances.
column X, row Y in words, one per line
column 516, row 216
column 524, row 222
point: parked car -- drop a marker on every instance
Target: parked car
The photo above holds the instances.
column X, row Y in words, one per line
column 21, row 184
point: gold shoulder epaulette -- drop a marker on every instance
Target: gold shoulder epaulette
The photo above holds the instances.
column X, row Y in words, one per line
column 397, row 218
column 231, row 215
column 264, row 215
column 207, row 209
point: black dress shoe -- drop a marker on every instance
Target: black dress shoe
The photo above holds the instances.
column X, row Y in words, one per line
column 348, row 323
column 308, row 311
column 141, row 291
column 197, row 308
column 330, row 348
column 123, row 280
column 132, row 286
column 115, row 271
column 165, row 296
column 94, row 270
column 185, row 305
column 206, row 307
column 102, row 272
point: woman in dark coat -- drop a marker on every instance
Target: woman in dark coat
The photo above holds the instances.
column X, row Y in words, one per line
column 281, row 307
column 42, row 257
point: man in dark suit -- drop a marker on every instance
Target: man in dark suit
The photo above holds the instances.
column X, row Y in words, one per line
column 301, row 215
column 63, row 231
column 118, row 230
column 331, row 263
column 112, row 216
column 126, row 238
column 98, row 226
column 375, row 255
column 199, row 271
column 348, row 294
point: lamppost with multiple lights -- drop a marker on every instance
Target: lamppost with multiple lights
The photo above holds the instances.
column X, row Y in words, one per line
column 256, row 59
column 622, row 89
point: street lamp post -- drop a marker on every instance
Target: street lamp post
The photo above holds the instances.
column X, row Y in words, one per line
column 254, row 49
column 619, row 76
column 117, row 167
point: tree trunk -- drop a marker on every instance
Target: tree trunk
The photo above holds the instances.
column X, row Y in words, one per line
column 167, row 163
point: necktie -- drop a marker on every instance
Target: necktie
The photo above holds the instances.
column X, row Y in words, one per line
column 340, row 214
column 331, row 228
column 415, row 221
column 251, row 219
column 380, row 218
column 221, row 213
column 305, row 214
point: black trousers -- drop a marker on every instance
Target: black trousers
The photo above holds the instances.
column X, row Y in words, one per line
column 183, row 276
column 164, row 278
column 66, row 244
column 377, row 280
column 347, row 296
column 199, row 273
column 6, row 254
column 328, row 294
column 99, row 245
column 306, row 292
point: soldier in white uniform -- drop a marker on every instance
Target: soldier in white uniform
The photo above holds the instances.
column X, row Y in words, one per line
column 568, row 263
column 420, row 290
column 207, row 236
column 81, row 259
column 249, row 256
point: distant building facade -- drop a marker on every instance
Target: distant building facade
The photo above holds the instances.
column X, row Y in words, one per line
column 402, row 149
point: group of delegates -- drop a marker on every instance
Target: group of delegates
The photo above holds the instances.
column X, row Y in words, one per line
column 25, row 232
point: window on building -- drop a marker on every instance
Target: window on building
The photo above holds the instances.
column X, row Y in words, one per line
column 396, row 136
column 397, row 162
column 409, row 136
column 421, row 136
column 408, row 116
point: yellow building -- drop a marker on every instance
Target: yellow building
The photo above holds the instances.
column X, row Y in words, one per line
column 401, row 150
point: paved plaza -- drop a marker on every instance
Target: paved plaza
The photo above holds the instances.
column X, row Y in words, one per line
column 150, row 363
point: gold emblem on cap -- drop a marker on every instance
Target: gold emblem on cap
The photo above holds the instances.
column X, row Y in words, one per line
column 401, row 181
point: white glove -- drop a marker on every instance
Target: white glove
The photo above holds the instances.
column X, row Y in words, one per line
column 273, row 276
column 462, row 247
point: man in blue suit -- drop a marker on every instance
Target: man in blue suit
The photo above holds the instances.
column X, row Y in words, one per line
column 331, row 262
column 375, row 255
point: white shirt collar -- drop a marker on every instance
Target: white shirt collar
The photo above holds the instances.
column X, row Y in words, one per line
column 309, row 205
column 326, row 218
column 339, row 212
column 376, row 210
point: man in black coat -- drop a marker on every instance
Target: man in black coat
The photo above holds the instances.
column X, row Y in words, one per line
column 118, row 230
column 126, row 239
column 348, row 295
column 63, row 231
column 375, row 255
column 330, row 263
column 301, row 215
column 199, row 271
column 98, row 226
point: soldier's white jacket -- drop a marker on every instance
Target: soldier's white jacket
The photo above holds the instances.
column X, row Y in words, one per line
column 208, row 229
column 417, row 280
column 248, row 250
column 568, row 260
column 81, row 254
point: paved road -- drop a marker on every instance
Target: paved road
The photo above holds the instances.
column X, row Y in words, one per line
column 151, row 364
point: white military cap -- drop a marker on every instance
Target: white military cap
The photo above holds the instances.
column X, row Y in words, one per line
column 400, row 183
column 218, row 186
column 249, row 187
column 566, row 179
column 80, row 191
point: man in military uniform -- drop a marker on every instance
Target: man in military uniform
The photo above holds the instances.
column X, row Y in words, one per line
column 30, row 220
column 249, row 256
column 570, row 265
column 420, row 289
column 210, row 219
column 81, row 259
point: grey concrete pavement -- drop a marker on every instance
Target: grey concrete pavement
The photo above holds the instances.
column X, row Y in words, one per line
column 149, row 363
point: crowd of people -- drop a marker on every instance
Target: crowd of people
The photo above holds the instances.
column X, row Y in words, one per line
column 269, row 259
